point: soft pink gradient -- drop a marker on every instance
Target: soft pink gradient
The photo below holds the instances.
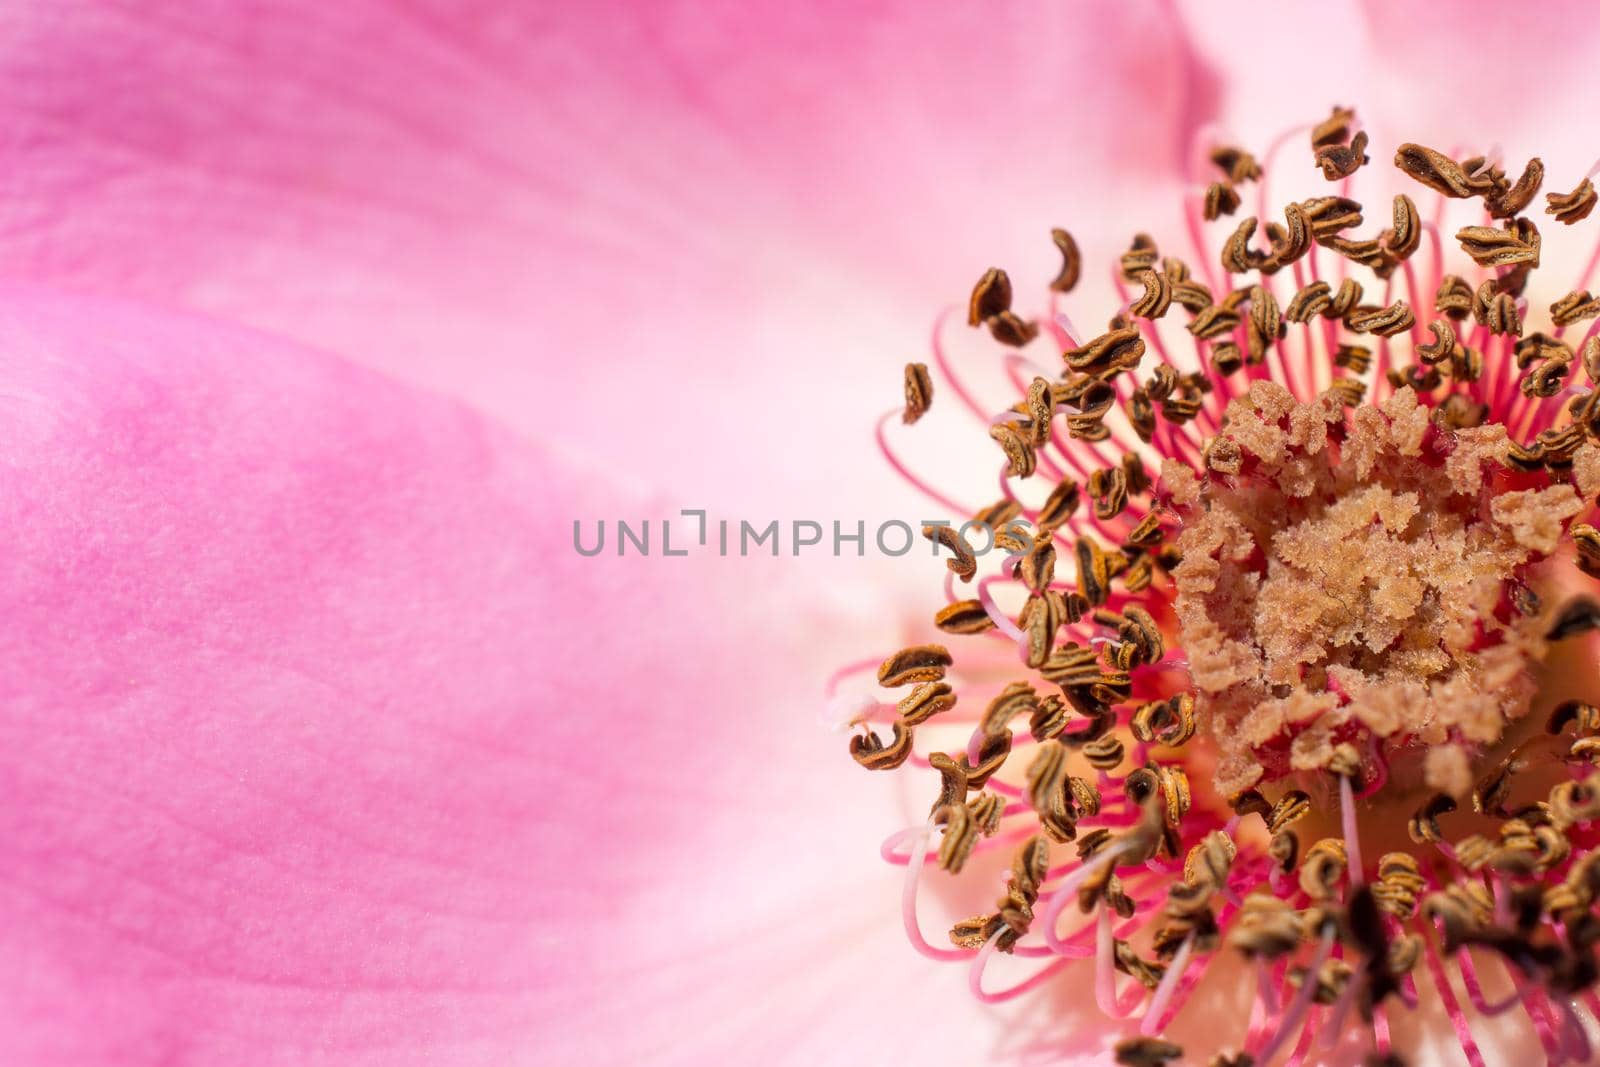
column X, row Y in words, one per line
column 319, row 744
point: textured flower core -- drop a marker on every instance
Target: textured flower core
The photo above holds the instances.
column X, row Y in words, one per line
column 1293, row 551
column 1341, row 586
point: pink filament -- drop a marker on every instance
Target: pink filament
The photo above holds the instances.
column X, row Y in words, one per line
column 1153, row 1022
column 1301, row 1004
column 908, row 903
column 1105, row 975
column 905, row 472
column 1352, row 841
column 1033, row 981
column 1458, row 1017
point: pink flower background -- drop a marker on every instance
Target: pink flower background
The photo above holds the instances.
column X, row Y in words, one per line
column 321, row 322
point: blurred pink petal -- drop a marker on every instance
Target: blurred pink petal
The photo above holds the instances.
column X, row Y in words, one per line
column 522, row 203
column 319, row 744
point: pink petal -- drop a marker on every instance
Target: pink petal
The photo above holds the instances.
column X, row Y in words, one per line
column 319, row 744
column 554, row 211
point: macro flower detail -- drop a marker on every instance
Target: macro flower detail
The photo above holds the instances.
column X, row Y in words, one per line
column 1275, row 673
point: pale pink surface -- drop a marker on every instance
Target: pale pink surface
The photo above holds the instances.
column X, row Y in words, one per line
column 319, row 745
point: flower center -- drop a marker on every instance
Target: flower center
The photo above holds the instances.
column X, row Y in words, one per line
column 1351, row 589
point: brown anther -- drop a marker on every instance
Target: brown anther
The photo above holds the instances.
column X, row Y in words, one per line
column 1538, row 346
column 1146, row 534
column 1490, row 247
column 1404, row 953
column 1403, row 239
column 1513, row 199
column 1138, row 475
column 1335, row 129
column 1237, row 255
column 868, row 749
column 990, row 296
column 1265, row 928
column 1290, row 809
column 1116, row 350
column 991, row 757
column 1108, row 488
column 1545, row 380
column 1341, row 161
column 1169, row 722
column 1250, row 802
column 1345, row 300
column 1140, row 573
column 1238, row 1059
column 1355, row 358
column 1221, row 198
column 1040, row 406
column 963, row 564
column 1290, row 241
column 953, row 780
column 1157, row 296
column 1345, row 761
column 1094, row 573
column 1309, row 302
column 1552, row 846
column 1265, row 324
column 1326, row 216
column 1398, row 885
column 1454, row 298
column 1213, row 322
column 1384, row 322
column 1011, row 329
column 1145, row 972
column 1474, row 851
column 926, row 701
column 1146, row 1052
column 1048, row 719
column 1575, row 307
column 1104, row 753
column 1224, row 456
column 1324, row 865
column 1587, row 538
column 960, row 836
column 1059, row 506
column 1163, row 381
column 1575, row 802
column 1525, row 457
column 1368, row 252
column 1496, row 310
column 1226, row 358
column 1040, row 621
column 1141, row 255
column 1240, row 166
column 963, row 617
column 1580, row 615
column 919, row 392
column 975, row 932
column 1457, row 412
column 1423, row 826
column 1037, row 566
column 1349, row 391
column 1071, row 262
column 1016, row 699
column 1574, row 206
column 1047, row 792
column 1330, row 980
column 1191, row 295
column 916, row 664
column 1209, row 861
column 1443, row 345
column 1017, row 444
column 1435, row 170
